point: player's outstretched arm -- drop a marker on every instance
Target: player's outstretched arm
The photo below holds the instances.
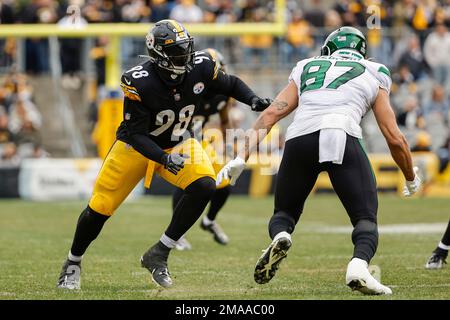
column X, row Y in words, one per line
column 396, row 141
column 285, row 102
column 233, row 86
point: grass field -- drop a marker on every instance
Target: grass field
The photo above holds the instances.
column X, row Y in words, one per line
column 35, row 238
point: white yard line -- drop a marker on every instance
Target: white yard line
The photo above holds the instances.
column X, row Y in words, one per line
column 444, row 285
column 412, row 228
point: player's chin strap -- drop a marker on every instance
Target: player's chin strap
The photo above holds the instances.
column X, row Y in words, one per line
column 188, row 67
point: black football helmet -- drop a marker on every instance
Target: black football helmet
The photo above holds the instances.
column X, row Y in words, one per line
column 171, row 48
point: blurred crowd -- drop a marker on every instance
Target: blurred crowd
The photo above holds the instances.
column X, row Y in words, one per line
column 308, row 22
column 20, row 121
column 411, row 37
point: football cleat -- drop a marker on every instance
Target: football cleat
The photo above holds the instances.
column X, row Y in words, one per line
column 359, row 278
column 70, row 277
column 182, row 244
column 216, row 230
column 436, row 261
column 270, row 260
column 155, row 261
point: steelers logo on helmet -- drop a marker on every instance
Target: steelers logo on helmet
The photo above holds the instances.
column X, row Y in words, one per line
column 150, row 40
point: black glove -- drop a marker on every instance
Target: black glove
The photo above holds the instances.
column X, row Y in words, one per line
column 173, row 162
column 260, row 104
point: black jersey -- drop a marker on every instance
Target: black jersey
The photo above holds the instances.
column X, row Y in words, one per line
column 165, row 113
column 208, row 108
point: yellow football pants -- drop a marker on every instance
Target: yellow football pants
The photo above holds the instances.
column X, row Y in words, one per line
column 124, row 167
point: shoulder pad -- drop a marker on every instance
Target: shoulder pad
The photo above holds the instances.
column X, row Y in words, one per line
column 209, row 66
column 384, row 70
column 383, row 75
column 297, row 71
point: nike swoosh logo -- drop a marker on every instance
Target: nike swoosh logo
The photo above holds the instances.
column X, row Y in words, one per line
column 127, row 81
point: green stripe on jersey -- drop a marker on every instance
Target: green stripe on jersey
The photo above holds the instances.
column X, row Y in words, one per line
column 384, row 70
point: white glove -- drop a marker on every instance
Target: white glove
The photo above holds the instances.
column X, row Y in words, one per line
column 232, row 170
column 411, row 187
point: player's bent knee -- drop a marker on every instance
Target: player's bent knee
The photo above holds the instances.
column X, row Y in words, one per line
column 92, row 214
column 102, row 204
column 205, row 186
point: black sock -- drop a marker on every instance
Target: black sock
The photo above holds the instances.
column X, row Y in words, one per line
column 89, row 225
column 190, row 207
column 446, row 237
column 176, row 197
column 281, row 221
column 446, row 241
column 219, row 198
column 365, row 240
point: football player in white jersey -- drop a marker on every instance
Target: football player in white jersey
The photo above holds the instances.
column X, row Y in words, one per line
column 331, row 93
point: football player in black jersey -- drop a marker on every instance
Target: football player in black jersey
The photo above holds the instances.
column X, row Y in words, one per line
column 162, row 96
column 218, row 104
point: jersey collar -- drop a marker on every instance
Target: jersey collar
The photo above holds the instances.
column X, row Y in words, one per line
column 348, row 53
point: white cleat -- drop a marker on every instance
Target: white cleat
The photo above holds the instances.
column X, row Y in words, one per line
column 359, row 278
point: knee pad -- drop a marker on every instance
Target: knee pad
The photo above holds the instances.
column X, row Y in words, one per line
column 205, row 186
column 102, row 204
column 364, row 228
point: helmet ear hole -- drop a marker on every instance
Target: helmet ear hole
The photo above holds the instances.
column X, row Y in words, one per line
column 325, row 51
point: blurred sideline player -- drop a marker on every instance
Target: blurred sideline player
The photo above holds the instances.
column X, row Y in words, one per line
column 162, row 96
column 332, row 92
column 218, row 104
column 437, row 259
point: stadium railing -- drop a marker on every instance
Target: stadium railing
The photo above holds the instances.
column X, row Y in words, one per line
column 116, row 31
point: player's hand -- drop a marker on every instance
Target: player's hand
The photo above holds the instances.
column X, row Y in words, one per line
column 174, row 162
column 411, row 187
column 232, row 170
column 260, row 104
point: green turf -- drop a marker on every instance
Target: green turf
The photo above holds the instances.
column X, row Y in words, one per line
column 35, row 238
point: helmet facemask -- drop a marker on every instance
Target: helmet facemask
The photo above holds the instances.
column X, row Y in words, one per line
column 177, row 58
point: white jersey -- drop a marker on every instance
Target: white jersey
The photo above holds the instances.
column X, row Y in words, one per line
column 335, row 92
